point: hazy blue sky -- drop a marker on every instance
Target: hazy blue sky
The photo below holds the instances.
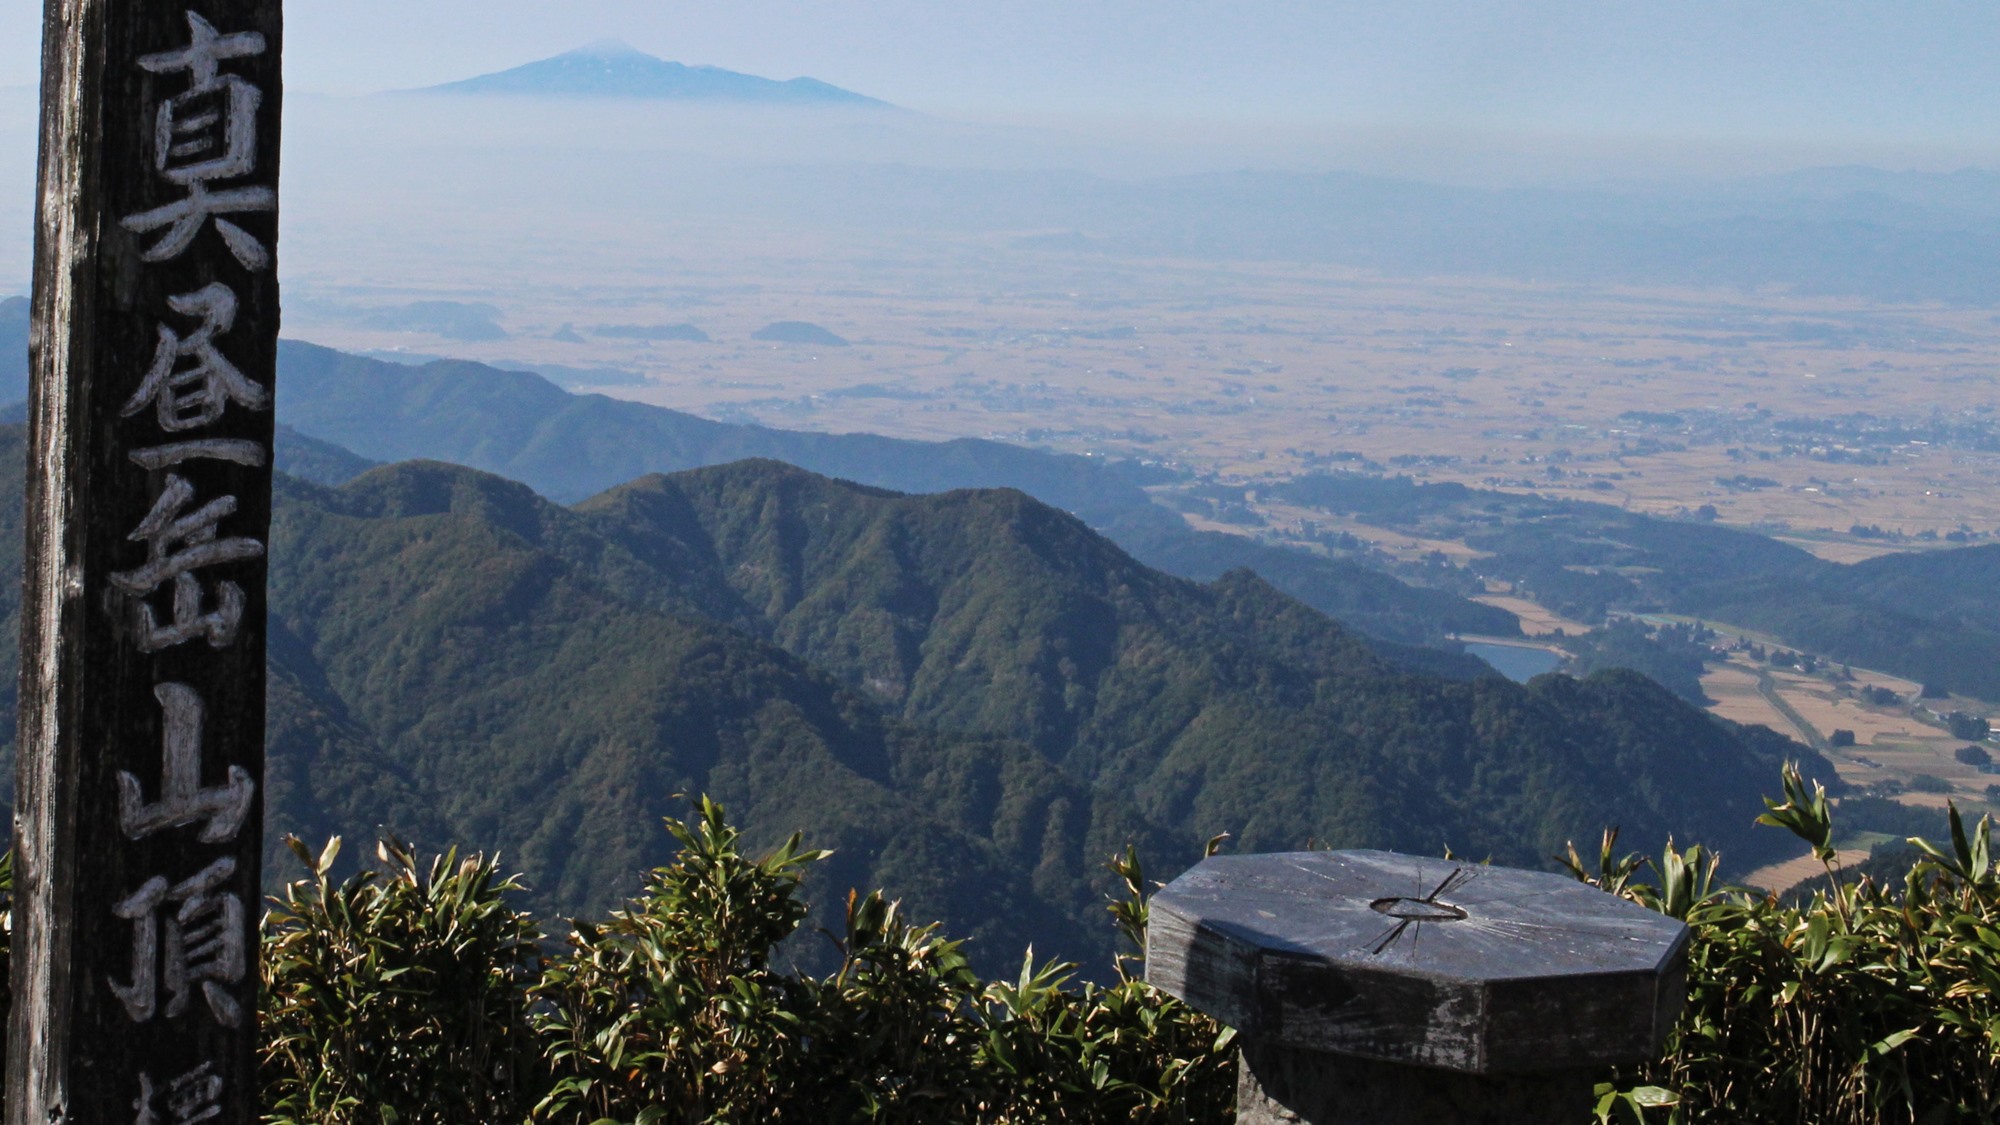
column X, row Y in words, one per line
column 1917, row 70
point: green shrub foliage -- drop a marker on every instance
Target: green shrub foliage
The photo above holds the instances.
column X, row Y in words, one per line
column 679, row 1008
column 404, row 970
column 416, row 992
column 671, row 1010
column 1871, row 1003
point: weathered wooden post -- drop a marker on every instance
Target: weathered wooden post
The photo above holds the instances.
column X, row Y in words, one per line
column 138, row 808
column 1370, row 988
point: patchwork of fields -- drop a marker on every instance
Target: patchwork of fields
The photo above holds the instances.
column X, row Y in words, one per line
column 1807, row 415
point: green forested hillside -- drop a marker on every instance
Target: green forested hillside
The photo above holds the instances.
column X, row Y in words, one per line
column 971, row 696
column 1370, row 600
column 1932, row 616
column 1821, row 616
column 321, row 462
column 1926, row 615
column 1221, row 707
column 1578, row 557
column 1961, row 585
column 568, row 446
column 456, row 617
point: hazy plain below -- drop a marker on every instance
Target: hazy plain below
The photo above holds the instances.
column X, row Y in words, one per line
column 1645, row 324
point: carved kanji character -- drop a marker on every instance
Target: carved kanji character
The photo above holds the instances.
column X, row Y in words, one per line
column 204, row 945
column 204, row 134
column 177, row 545
column 182, row 799
column 194, row 1096
column 191, row 382
column 234, row 450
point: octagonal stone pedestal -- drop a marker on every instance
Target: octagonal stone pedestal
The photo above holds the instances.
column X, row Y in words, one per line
column 1371, row 988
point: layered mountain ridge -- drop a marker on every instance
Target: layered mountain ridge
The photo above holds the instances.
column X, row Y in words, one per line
column 569, row 446
column 971, row 696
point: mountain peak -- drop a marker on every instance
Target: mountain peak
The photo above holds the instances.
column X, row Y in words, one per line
column 613, row 68
column 612, row 48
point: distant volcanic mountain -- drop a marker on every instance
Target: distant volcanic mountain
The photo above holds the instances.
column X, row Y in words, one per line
column 615, row 70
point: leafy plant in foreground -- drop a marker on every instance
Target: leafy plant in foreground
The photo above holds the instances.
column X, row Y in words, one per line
column 1871, row 1004
column 398, row 995
column 413, row 992
column 670, row 1010
column 1126, row 1052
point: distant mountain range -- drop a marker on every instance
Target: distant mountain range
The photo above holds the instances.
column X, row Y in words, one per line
column 614, row 70
column 1926, row 616
column 970, row 696
column 570, row 446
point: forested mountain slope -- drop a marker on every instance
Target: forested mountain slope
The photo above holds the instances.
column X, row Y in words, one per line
column 459, row 619
column 1225, row 707
column 1961, row 585
column 1929, row 620
column 971, row 696
column 1931, row 615
column 436, row 672
column 568, row 446
column 1579, row 557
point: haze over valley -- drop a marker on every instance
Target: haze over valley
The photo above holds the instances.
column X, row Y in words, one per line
column 1720, row 412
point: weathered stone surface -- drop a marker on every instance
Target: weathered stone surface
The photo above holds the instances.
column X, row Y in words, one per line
column 1484, row 970
column 1283, row 1086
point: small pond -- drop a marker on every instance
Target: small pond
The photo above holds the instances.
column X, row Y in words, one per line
column 1517, row 662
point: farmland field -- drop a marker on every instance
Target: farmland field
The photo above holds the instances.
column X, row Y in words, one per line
column 1662, row 400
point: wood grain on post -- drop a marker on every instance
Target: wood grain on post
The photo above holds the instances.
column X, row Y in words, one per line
column 1373, row 987
column 139, row 798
